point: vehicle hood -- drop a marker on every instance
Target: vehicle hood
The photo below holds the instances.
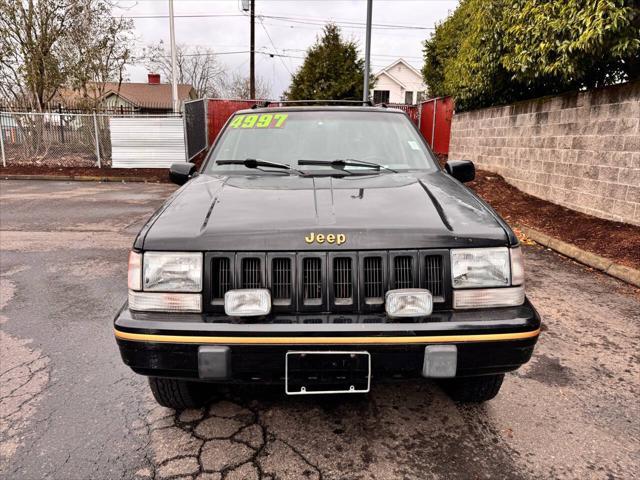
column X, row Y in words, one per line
column 276, row 212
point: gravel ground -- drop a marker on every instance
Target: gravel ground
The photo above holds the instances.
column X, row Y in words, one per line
column 69, row 408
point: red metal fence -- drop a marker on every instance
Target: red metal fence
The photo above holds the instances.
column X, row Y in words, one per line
column 435, row 123
column 410, row 110
column 433, row 118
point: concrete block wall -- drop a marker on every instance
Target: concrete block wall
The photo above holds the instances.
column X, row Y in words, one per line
column 580, row 150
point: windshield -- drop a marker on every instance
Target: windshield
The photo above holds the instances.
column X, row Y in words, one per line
column 387, row 139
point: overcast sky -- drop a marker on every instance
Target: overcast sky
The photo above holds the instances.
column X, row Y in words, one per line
column 229, row 32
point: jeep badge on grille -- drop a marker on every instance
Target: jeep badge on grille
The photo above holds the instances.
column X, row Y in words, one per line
column 337, row 238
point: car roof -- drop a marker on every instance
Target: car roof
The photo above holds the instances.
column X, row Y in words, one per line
column 319, row 108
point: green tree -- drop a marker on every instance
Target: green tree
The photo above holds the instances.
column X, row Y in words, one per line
column 47, row 44
column 498, row 51
column 575, row 43
column 331, row 70
column 444, row 46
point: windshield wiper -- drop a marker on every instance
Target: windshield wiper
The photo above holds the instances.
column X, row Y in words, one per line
column 256, row 163
column 347, row 162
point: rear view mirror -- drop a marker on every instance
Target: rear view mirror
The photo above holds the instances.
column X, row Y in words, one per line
column 181, row 173
column 462, row 170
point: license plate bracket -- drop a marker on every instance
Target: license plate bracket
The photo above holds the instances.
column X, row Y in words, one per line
column 327, row 372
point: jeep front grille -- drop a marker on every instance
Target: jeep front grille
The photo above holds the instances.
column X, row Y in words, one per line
column 373, row 279
column 403, row 272
column 281, row 279
column 342, row 283
column 332, row 282
column 221, row 276
column 433, row 278
column 251, row 273
column 312, row 279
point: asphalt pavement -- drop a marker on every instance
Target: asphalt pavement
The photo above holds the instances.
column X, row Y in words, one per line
column 69, row 408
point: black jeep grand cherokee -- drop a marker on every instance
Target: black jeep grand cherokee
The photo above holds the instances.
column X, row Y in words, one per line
column 324, row 248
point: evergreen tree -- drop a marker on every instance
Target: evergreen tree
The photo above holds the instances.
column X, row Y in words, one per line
column 331, row 70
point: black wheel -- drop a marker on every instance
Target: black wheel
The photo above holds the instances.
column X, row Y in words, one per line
column 179, row 394
column 474, row 389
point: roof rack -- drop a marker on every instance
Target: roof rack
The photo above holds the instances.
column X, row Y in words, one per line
column 266, row 103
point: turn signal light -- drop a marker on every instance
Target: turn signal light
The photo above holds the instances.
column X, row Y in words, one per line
column 488, row 297
column 135, row 271
column 165, row 302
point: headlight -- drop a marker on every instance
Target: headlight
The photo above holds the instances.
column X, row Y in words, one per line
column 479, row 275
column 172, row 272
column 480, row 267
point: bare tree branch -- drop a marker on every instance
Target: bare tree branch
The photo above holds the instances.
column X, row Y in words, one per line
column 197, row 66
column 237, row 86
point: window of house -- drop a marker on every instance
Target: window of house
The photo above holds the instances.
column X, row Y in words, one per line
column 408, row 98
column 381, row 96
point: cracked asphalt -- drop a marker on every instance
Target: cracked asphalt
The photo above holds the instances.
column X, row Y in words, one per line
column 69, row 408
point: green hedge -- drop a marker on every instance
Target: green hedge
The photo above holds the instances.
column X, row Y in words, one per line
column 490, row 52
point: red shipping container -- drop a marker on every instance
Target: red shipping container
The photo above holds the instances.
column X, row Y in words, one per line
column 218, row 111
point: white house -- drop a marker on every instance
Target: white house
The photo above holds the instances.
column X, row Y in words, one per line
column 398, row 83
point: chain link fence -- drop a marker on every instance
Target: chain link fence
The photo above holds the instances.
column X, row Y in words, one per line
column 88, row 140
column 55, row 140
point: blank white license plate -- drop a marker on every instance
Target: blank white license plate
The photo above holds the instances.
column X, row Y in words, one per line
column 322, row 372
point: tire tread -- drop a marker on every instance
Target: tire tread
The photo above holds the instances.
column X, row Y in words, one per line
column 474, row 389
column 177, row 394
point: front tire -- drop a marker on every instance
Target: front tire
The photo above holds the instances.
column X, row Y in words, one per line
column 179, row 394
column 474, row 389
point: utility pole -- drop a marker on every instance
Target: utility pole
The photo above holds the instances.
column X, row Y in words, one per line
column 174, row 66
column 252, row 62
column 367, row 53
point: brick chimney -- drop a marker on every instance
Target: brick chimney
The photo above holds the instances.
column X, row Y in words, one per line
column 154, row 78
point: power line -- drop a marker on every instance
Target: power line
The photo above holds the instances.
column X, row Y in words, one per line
column 315, row 27
column 192, row 15
column 236, row 52
column 299, row 20
column 261, row 52
column 354, row 24
column 266, row 53
column 214, row 53
column 274, row 46
column 382, row 55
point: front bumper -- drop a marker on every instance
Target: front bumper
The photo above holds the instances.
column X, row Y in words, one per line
column 167, row 345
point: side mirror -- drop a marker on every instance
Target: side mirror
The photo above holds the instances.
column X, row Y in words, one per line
column 181, row 173
column 462, row 170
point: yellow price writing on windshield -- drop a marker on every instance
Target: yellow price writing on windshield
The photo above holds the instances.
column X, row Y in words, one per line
column 249, row 121
column 266, row 120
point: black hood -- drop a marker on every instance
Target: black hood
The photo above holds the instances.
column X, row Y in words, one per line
column 276, row 212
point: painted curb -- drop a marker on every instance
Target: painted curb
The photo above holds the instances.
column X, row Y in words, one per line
column 621, row 272
column 79, row 178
